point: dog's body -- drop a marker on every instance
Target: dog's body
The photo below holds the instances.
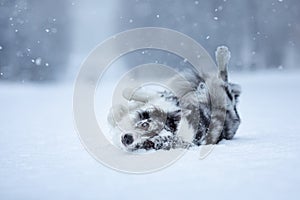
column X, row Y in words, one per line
column 197, row 111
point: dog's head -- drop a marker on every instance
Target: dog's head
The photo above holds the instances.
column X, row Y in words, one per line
column 144, row 118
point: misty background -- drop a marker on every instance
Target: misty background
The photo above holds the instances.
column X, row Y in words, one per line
column 42, row 46
column 47, row 40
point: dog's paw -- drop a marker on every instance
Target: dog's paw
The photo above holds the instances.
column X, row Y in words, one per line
column 222, row 55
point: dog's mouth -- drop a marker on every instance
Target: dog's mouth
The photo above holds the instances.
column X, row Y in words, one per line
column 147, row 133
column 129, row 139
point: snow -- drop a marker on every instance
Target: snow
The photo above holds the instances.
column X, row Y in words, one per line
column 38, row 61
column 41, row 156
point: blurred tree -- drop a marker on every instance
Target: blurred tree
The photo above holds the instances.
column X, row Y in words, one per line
column 34, row 39
column 260, row 34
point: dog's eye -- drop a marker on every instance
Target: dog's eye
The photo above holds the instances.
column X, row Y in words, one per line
column 145, row 125
column 201, row 86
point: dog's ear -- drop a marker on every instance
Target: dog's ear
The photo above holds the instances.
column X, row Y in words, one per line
column 172, row 121
column 116, row 114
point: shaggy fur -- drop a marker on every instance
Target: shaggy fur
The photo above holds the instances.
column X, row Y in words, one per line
column 200, row 110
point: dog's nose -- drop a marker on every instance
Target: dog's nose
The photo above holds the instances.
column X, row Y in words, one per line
column 127, row 139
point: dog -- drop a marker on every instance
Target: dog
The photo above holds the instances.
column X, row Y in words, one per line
column 199, row 111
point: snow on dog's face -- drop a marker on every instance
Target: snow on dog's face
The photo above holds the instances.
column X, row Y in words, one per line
column 143, row 119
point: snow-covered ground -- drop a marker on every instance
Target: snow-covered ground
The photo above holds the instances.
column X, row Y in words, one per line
column 41, row 156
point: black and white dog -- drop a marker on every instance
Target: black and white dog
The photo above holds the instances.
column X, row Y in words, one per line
column 203, row 111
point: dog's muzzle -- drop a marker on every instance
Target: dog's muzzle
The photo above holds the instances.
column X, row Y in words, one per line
column 127, row 139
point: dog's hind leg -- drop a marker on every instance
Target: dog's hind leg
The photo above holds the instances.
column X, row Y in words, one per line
column 232, row 120
column 222, row 58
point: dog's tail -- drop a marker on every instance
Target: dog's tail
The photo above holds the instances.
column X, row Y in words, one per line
column 222, row 58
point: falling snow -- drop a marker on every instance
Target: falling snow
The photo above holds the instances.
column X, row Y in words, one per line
column 53, row 30
column 38, row 61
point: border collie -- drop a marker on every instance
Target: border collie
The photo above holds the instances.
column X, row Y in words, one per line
column 200, row 111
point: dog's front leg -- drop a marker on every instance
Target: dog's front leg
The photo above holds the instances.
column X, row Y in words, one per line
column 165, row 143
